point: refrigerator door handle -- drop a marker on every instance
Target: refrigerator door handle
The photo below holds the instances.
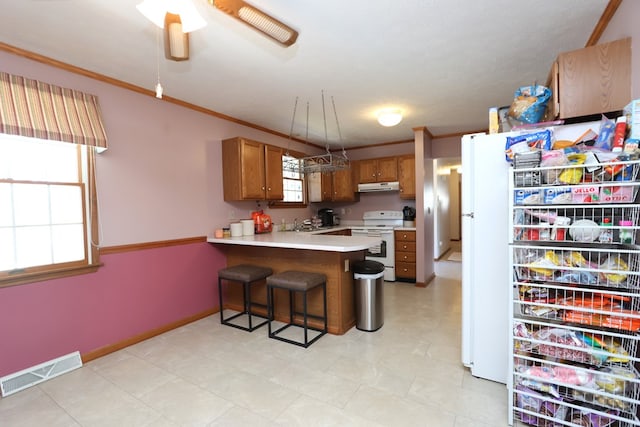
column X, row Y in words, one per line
column 470, row 215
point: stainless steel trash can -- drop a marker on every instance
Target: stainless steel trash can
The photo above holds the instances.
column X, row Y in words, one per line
column 369, row 294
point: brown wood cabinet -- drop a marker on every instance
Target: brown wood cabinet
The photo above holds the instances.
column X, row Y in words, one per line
column 592, row 80
column 407, row 176
column 383, row 169
column 340, row 289
column 336, row 186
column 405, row 252
column 251, row 170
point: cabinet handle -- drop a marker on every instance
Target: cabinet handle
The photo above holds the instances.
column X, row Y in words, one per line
column 405, row 257
column 269, row 188
column 404, row 236
column 404, row 247
column 262, row 188
column 405, row 270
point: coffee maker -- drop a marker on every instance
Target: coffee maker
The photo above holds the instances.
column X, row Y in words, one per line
column 327, row 217
column 408, row 216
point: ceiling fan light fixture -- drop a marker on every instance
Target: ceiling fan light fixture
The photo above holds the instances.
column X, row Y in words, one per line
column 176, row 41
column 258, row 20
column 390, row 117
column 156, row 10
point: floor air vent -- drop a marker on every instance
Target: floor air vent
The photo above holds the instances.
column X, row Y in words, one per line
column 17, row 381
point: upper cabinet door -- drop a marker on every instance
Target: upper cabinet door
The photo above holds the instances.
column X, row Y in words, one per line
column 273, row 173
column 378, row 170
column 368, row 171
column 387, row 169
column 407, row 177
column 594, row 80
column 253, row 170
column 343, row 186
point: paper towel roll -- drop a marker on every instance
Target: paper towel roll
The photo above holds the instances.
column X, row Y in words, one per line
column 236, row 229
column 247, row 227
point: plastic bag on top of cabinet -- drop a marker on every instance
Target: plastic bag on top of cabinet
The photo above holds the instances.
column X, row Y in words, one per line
column 529, row 103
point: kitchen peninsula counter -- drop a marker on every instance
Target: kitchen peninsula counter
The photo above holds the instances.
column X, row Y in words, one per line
column 303, row 251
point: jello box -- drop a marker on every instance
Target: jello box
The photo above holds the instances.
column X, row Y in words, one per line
column 585, row 194
column 616, row 194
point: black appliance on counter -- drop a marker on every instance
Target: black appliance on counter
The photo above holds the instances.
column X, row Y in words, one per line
column 409, row 216
column 328, row 218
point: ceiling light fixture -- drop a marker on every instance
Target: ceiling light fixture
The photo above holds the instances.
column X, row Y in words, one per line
column 390, row 117
column 178, row 18
column 258, row 20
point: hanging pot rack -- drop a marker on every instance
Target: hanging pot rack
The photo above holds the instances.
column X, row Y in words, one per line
column 321, row 163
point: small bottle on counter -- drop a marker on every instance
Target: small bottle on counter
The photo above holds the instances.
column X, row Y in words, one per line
column 226, row 232
column 606, row 235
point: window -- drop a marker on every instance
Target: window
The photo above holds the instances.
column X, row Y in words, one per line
column 46, row 224
column 293, row 183
column 292, row 179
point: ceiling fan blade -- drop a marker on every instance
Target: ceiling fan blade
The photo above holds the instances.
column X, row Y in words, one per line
column 258, row 20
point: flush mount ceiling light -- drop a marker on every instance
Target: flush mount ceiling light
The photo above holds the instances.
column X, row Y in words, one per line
column 390, row 118
column 258, row 20
column 178, row 18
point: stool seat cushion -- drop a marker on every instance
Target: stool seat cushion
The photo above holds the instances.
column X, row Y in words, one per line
column 296, row 280
column 244, row 273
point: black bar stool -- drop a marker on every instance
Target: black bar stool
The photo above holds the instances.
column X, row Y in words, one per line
column 245, row 274
column 303, row 282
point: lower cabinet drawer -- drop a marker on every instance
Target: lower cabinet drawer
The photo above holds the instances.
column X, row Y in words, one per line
column 405, row 256
column 406, row 270
column 406, row 246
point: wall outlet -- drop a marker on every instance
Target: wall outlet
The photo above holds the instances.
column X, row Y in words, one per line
column 342, row 211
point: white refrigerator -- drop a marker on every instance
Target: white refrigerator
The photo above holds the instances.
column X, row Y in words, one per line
column 486, row 275
column 485, row 256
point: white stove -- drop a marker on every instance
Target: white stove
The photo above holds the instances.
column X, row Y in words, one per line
column 381, row 224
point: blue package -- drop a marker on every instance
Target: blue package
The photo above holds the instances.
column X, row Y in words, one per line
column 534, row 141
column 605, row 136
column 625, row 175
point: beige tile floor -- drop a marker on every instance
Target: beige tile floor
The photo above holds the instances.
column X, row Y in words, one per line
column 406, row 374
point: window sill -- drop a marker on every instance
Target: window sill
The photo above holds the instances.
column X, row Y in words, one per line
column 279, row 205
column 26, row 278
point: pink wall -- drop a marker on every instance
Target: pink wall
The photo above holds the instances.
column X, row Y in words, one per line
column 133, row 293
column 159, row 180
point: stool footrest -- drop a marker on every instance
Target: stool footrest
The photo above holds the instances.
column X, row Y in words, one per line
column 298, row 282
column 275, row 335
column 227, row 321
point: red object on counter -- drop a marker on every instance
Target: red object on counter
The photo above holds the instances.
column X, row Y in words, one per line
column 262, row 222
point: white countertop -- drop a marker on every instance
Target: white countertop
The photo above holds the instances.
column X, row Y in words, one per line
column 302, row 240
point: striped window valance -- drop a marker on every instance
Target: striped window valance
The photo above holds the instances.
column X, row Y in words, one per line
column 40, row 110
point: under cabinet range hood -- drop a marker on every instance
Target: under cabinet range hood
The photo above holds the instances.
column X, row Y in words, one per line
column 378, row 186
